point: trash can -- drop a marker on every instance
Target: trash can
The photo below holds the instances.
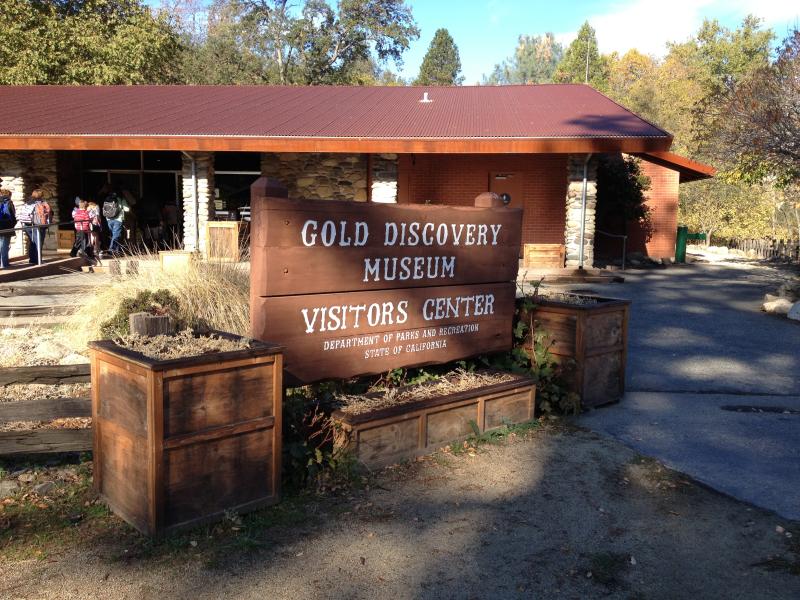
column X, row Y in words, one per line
column 680, row 244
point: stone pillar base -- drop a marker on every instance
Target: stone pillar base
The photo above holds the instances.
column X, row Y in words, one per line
column 572, row 229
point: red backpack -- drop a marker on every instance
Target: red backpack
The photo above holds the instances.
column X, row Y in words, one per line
column 42, row 213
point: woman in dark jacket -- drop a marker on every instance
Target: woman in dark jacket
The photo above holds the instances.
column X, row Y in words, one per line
column 8, row 219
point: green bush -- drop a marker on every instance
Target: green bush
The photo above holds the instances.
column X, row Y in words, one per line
column 158, row 302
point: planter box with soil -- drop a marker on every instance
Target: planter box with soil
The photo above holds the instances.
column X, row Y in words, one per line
column 590, row 335
column 385, row 428
column 179, row 441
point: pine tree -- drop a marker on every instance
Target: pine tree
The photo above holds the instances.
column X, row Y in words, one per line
column 442, row 64
column 572, row 68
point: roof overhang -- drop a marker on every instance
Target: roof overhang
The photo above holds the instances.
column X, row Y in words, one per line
column 690, row 170
column 652, row 146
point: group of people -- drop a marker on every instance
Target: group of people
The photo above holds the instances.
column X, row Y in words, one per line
column 34, row 215
column 88, row 219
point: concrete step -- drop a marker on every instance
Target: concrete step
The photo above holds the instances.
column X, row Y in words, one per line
column 54, row 266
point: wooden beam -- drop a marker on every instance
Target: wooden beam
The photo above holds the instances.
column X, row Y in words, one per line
column 341, row 145
column 37, row 441
column 45, row 409
column 46, row 374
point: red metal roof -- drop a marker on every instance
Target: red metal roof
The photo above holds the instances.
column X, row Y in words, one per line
column 481, row 112
column 690, row 170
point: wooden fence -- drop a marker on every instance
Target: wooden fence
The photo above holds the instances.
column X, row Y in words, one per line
column 780, row 250
column 42, row 440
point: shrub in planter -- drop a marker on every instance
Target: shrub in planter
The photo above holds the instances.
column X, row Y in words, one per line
column 158, row 302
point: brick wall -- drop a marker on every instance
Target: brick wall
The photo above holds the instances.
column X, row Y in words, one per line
column 457, row 179
column 662, row 199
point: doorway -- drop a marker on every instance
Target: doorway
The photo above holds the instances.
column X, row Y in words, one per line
column 504, row 182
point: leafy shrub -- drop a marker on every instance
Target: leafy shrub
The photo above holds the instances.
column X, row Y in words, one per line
column 158, row 302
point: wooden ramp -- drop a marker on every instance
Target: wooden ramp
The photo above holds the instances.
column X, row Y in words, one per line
column 52, row 265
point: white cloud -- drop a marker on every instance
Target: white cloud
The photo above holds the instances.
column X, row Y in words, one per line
column 648, row 25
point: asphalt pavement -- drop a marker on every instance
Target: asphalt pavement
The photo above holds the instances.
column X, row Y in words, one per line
column 713, row 383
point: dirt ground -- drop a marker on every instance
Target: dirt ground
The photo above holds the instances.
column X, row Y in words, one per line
column 557, row 513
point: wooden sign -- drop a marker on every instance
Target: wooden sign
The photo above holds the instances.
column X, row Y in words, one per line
column 317, row 246
column 352, row 289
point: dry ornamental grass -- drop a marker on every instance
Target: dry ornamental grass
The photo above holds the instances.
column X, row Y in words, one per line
column 451, row 383
column 180, row 345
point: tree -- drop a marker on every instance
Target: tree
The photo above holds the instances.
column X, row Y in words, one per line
column 87, row 42
column 632, row 83
column 620, row 194
column 534, row 61
column 760, row 120
column 573, row 66
column 441, row 64
column 323, row 45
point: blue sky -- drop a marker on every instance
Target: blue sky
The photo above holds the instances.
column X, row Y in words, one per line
column 486, row 30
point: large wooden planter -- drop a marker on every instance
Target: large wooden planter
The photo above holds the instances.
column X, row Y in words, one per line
column 593, row 340
column 388, row 435
column 179, row 442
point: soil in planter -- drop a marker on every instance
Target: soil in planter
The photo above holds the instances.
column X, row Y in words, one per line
column 566, row 298
column 181, row 345
column 450, row 383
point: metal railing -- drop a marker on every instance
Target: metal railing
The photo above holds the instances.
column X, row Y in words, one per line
column 26, row 227
column 624, row 243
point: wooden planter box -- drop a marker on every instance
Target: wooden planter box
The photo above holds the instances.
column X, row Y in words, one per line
column 388, row 435
column 175, row 261
column 179, row 442
column 224, row 240
column 594, row 339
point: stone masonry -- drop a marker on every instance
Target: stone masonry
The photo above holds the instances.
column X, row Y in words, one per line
column 22, row 172
column 333, row 176
column 319, row 176
column 572, row 230
column 205, row 191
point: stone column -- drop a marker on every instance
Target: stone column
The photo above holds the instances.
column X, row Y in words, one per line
column 572, row 230
column 204, row 166
column 384, row 178
column 318, row 176
column 22, row 172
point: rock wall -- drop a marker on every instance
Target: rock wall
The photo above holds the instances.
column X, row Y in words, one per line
column 22, row 172
column 204, row 162
column 333, row 176
column 319, row 176
column 572, row 229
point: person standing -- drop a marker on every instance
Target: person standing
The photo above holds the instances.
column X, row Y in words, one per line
column 8, row 219
column 83, row 228
column 35, row 215
column 97, row 227
column 114, row 209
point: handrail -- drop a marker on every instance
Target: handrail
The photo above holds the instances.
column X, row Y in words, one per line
column 624, row 243
column 25, row 226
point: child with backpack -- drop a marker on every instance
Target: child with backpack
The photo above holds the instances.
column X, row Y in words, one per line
column 83, row 227
column 8, row 219
column 97, row 226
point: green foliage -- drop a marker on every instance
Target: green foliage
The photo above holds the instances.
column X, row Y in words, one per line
column 572, row 67
column 620, row 194
column 310, row 456
column 632, row 81
column 441, row 64
column 156, row 302
column 276, row 42
column 107, row 42
column 534, row 61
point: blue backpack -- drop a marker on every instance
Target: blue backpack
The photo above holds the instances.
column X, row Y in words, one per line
column 7, row 218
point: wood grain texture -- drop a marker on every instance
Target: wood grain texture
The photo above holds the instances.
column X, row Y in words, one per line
column 386, row 436
column 41, row 441
column 45, row 374
column 238, row 396
column 344, row 352
column 223, row 473
column 204, row 435
column 45, row 409
column 550, row 256
column 284, row 265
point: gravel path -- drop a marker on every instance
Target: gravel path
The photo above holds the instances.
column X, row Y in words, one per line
column 555, row 515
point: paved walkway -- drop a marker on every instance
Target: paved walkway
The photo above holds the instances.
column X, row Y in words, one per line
column 702, row 358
